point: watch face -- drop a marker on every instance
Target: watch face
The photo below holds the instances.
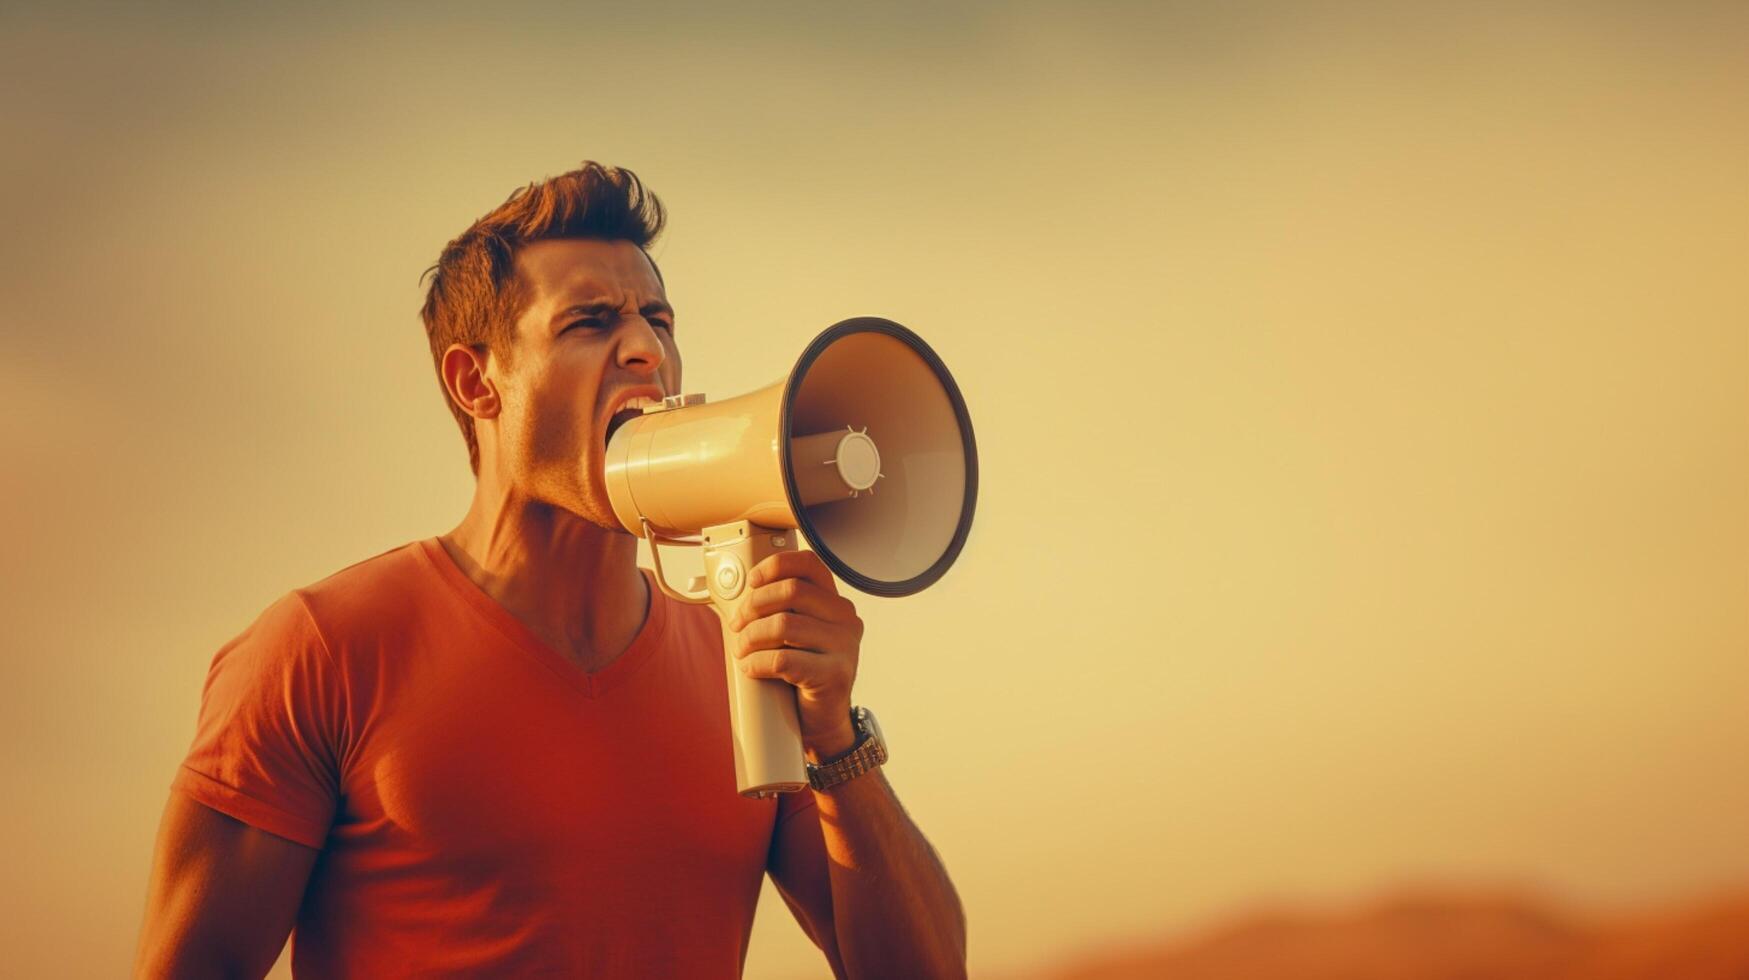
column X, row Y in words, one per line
column 874, row 727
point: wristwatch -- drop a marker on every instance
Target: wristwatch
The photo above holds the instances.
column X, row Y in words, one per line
column 869, row 752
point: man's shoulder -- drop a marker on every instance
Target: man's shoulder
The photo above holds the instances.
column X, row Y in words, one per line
column 334, row 624
column 370, row 595
column 400, row 562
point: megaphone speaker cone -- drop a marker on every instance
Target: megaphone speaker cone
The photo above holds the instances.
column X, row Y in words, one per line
column 892, row 407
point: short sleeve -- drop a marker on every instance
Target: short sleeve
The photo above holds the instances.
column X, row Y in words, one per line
column 267, row 745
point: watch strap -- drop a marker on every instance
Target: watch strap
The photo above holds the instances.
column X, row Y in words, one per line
column 868, row 754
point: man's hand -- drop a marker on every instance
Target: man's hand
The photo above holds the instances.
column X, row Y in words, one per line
column 793, row 625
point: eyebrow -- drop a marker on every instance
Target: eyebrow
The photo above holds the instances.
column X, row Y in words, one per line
column 598, row 307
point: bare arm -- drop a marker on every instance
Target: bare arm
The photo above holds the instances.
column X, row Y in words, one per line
column 867, row 887
column 859, row 875
column 222, row 898
column 895, row 912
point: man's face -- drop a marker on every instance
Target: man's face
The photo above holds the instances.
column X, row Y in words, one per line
column 596, row 325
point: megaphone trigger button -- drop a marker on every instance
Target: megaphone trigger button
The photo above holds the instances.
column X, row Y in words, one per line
column 729, row 577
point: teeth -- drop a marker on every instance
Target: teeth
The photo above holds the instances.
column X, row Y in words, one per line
column 639, row 402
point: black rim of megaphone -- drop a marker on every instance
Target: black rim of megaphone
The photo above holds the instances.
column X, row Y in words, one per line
column 875, row 586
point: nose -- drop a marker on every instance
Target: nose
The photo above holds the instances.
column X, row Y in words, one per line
column 641, row 346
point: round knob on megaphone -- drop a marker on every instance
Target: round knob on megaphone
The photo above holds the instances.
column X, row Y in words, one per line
column 833, row 465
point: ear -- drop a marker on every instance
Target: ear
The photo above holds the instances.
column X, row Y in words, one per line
column 464, row 377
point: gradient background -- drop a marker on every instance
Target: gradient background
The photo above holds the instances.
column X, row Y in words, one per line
column 1360, row 393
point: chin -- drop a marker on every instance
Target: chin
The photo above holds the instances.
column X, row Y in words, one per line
column 596, row 508
column 584, row 509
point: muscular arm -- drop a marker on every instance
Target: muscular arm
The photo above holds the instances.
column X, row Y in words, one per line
column 867, row 885
column 222, row 896
column 895, row 912
column 868, row 888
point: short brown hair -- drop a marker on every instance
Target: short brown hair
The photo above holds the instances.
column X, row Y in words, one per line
column 475, row 295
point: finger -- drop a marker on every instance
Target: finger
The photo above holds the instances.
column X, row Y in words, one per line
column 792, row 564
column 792, row 595
column 803, row 668
column 786, row 629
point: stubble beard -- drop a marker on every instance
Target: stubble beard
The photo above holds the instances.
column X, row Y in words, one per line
column 570, row 477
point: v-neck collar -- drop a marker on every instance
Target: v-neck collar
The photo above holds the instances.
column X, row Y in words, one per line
column 641, row 650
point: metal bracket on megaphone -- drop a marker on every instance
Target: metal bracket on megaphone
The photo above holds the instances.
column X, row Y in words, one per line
column 670, row 402
column 697, row 593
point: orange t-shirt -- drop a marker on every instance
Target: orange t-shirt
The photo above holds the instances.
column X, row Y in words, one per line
column 482, row 805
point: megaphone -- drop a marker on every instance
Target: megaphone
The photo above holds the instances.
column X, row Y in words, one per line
column 865, row 448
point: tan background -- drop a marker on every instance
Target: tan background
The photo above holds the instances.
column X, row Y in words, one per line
column 1361, row 395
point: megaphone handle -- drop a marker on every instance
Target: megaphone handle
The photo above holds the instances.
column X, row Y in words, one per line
column 697, row 598
column 763, row 722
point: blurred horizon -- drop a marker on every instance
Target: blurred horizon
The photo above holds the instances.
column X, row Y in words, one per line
column 1379, row 369
column 1438, row 934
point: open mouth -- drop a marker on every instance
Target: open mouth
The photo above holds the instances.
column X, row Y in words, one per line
column 619, row 418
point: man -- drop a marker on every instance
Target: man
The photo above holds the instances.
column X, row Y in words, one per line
column 502, row 751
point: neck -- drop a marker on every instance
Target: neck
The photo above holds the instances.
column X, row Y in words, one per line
column 573, row 582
